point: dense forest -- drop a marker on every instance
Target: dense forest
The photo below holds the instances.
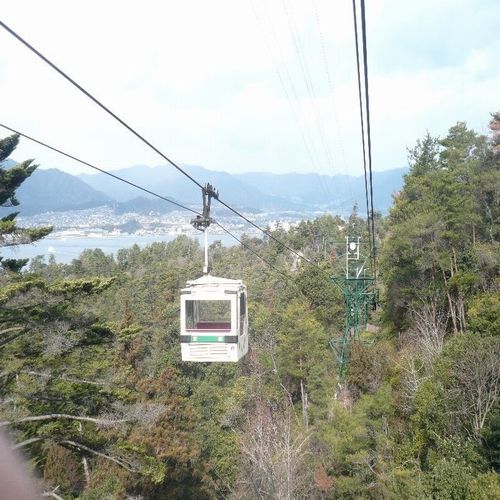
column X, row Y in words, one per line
column 94, row 394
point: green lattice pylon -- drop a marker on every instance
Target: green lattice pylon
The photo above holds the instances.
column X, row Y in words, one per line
column 359, row 293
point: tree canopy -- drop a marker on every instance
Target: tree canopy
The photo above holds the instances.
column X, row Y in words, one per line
column 94, row 392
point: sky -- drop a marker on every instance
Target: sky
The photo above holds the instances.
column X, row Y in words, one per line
column 245, row 85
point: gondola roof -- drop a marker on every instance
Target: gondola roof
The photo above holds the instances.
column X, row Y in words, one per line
column 210, row 281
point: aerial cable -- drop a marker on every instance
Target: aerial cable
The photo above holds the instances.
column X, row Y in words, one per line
column 96, row 101
column 44, row 144
column 98, row 169
column 331, row 90
column 368, row 133
column 315, row 164
column 267, row 233
column 322, row 45
column 198, row 214
column 314, row 159
column 308, row 82
column 128, row 127
column 288, row 278
column 362, row 124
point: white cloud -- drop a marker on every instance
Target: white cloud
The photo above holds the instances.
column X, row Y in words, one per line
column 201, row 80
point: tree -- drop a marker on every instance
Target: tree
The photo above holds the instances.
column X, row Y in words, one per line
column 484, row 314
column 10, row 180
column 470, row 373
column 302, row 343
column 55, row 381
column 442, row 228
column 274, row 456
column 490, row 438
column 489, row 195
column 423, row 157
column 495, row 136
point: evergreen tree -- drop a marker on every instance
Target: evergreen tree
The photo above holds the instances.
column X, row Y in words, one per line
column 10, row 180
column 442, row 226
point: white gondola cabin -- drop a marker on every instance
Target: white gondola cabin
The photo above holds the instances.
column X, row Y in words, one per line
column 214, row 320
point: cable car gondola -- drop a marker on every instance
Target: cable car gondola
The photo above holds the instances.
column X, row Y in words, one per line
column 214, row 320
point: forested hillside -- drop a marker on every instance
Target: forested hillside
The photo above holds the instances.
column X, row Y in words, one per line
column 95, row 395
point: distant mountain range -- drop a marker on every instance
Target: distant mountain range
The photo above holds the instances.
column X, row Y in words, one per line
column 54, row 190
column 336, row 193
column 167, row 181
column 257, row 190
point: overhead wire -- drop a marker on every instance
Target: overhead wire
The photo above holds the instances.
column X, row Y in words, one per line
column 331, row 90
column 309, row 84
column 362, row 122
column 251, row 250
column 267, row 233
column 121, row 179
column 97, row 101
column 307, row 79
column 310, row 149
column 288, row 279
column 368, row 131
column 128, row 127
column 48, row 146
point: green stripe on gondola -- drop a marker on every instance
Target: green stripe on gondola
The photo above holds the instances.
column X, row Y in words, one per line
column 207, row 338
column 204, row 339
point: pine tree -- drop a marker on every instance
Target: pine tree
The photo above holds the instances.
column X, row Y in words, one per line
column 443, row 224
column 10, row 180
column 495, row 136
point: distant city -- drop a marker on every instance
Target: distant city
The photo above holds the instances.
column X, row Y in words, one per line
column 104, row 221
column 111, row 231
column 97, row 211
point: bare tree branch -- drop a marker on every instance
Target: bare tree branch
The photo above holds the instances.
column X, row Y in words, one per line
column 476, row 385
column 52, row 494
column 118, row 461
column 429, row 328
column 80, row 446
column 11, row 329
column 36, row 418
column 274, row 456
column 63, row 377
column 27, row 442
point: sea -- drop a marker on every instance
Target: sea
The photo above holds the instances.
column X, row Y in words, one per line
column 66, row 248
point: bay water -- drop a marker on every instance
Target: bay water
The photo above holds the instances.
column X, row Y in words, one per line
column 66, row 248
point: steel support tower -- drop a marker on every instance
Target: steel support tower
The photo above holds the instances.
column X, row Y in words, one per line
column 360, row 295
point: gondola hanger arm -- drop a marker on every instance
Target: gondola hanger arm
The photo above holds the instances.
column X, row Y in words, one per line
column 203, row 221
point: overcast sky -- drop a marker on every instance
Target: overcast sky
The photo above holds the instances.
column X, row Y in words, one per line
column 245, row 85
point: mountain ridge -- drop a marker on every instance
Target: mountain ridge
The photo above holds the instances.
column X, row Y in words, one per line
column 54, row 190
column 259, row 190
column 168, row 182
